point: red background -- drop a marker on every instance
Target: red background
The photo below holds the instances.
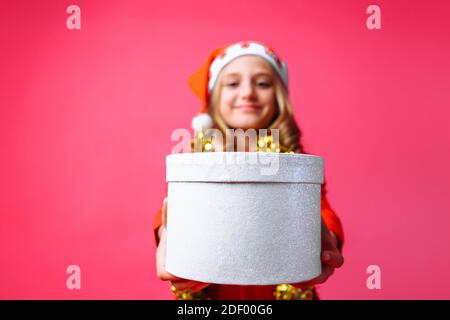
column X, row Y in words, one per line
column 86, row 117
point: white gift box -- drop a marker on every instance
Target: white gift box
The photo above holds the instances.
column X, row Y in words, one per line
column 246, row 218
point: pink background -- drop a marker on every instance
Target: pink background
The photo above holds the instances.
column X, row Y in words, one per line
column 86, row 117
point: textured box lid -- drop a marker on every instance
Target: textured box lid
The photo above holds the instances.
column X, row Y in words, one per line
column 244, row 167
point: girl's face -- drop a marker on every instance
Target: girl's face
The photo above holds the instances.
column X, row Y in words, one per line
column 247, row 99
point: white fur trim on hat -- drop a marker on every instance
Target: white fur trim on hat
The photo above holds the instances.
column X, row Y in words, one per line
column 246, row 48
column 201, row 122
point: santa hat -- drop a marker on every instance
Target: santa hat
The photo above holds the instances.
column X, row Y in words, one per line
column 203, row 80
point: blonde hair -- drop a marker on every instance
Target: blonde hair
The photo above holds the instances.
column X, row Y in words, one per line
column 289, row 133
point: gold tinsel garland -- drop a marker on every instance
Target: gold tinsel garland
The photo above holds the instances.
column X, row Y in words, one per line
column 264, row 143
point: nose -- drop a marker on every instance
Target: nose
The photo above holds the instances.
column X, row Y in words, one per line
column 247, row 90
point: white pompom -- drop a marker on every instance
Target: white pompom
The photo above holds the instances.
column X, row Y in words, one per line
column 201, row 122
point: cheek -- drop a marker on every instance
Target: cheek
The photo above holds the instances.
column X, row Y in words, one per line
column 226, row 99
column 269, row 100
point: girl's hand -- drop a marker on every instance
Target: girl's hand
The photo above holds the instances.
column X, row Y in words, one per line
column 331, row 258
column 179, row 283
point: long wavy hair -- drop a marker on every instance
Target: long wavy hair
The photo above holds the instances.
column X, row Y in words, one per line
column 283, row 120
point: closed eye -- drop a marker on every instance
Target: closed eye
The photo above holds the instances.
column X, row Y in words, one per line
column 264, row 84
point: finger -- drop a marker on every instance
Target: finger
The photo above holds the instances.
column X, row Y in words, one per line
column 167, row 276
column 162, row 273
column 329, row 240
column 164, row 212
column 161, row 261
column 332, row 258
column 327, row 271
column 334, row 239
column 184, row 284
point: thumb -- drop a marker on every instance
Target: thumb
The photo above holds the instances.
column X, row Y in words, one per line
column 164, row 212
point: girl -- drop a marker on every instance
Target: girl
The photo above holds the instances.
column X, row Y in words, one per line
column 245, row 85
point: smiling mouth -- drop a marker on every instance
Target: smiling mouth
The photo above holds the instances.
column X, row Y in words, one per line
column 248, row 107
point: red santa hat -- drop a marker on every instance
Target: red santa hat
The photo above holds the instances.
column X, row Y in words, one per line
column 203, row 80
